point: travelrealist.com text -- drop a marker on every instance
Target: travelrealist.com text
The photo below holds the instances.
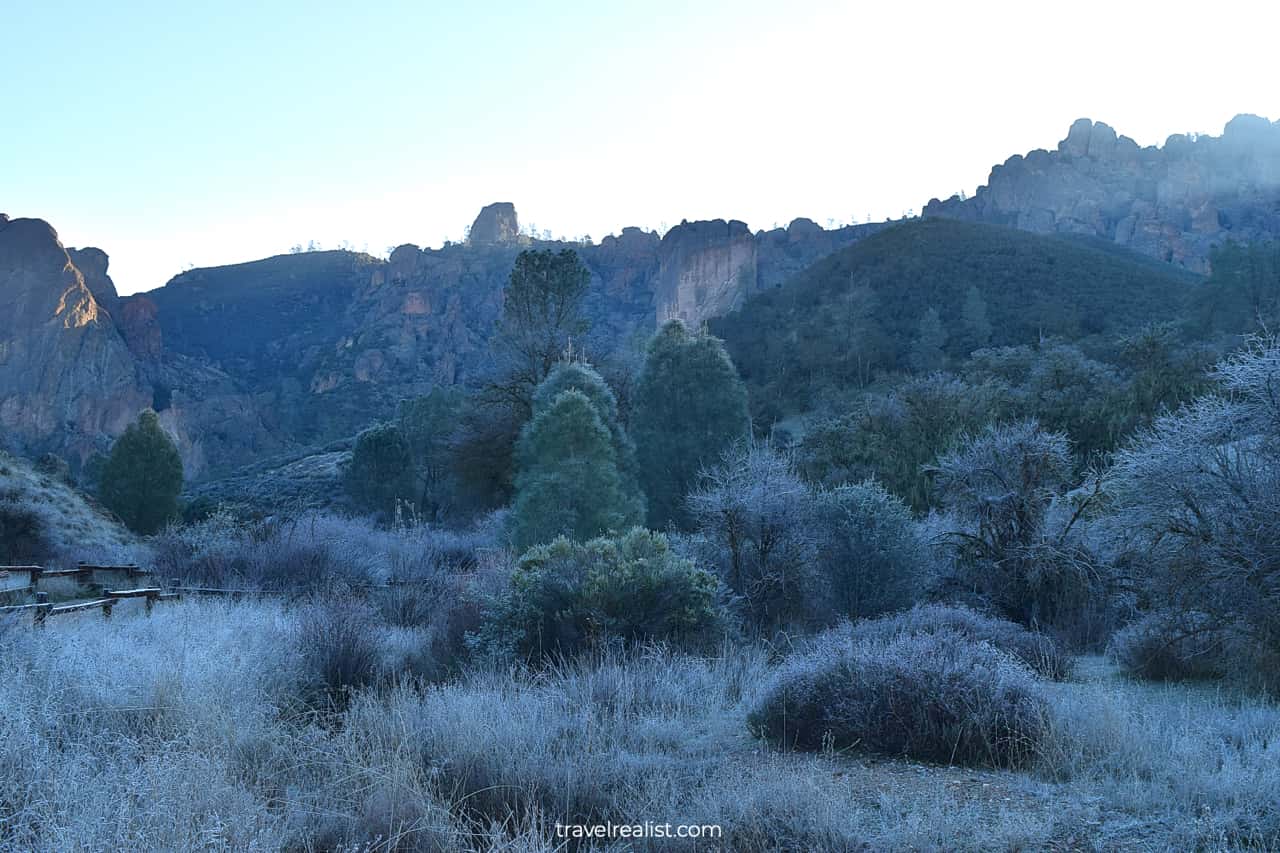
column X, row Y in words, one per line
column 648, row 829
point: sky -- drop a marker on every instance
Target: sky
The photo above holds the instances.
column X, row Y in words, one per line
column 174, row 134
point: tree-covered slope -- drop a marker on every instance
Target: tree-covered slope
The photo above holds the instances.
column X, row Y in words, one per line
column 924, row 294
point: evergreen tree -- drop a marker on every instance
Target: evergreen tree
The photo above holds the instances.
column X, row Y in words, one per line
column 142, row 478
column 381, row 469
column 973, row 318
column 582, row 377
column 428, row 424
column 541, row 316
column 567, row 481
column 927, row 355
column 690, row 408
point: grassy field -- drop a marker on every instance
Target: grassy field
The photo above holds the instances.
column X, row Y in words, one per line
column 198, row 728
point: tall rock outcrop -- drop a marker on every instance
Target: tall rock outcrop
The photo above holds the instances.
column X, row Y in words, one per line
column 67, row 379
column 707, row 269
column 92, row 264
column 1173, row 202
column 496, row 224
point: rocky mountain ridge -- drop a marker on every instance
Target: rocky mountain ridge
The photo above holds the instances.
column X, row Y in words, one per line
column 259, row 358
column 1173, row 202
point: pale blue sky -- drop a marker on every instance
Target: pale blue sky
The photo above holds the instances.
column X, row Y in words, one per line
column 170, row 135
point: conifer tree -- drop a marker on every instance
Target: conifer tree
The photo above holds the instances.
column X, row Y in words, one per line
column 567, row 480
column 690, row 407
column 381, row 469
column 927, row 355
column 142, row 478
column 973, row 317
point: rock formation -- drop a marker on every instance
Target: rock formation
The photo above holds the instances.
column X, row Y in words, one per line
column 67, row 379
column 496, row 224
column 1173, row 203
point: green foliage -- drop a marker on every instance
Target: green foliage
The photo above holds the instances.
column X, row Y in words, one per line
column 381, row 470
column 1060, row 387
column 690, row 406
column 891, row 436
column 567, row 596
column 428, row 424
column 927, row 353
column 541, row 317
column 1242, row 296
column 142, row 478
column 870, row 556
column 577, row 376
column 975, row 327
column 568, row 483
column 796, row 346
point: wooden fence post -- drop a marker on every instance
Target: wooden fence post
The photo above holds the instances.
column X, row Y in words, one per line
column 42, row 607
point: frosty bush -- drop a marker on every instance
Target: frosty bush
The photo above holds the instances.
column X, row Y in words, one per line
column 1039, row 652
column 932, row 697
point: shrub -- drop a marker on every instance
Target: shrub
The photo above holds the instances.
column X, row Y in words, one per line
column 24, row 538
column 757, row 518
column 1039, row 652
column 932, row 697
column 339, row 649
column 870, row 555
column 566, row 597
column 1171, row 647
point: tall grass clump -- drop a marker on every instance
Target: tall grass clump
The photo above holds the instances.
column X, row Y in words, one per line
column 934, row 697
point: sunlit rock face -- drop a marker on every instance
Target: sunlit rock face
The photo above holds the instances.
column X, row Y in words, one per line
column 67, row 379
column 1173, row 202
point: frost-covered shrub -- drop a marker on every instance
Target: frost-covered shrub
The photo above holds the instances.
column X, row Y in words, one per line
column 871, row 557
column 567, row 596
column 1198, row 496
column 1039, row 652
column 1171, row 647
column 757, row 520
column 933, row 697
column 339, row 646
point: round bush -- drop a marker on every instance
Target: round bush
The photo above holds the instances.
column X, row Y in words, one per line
column 1037, row 651
column 1170, row 647
column 932, row 697
column 568, row 596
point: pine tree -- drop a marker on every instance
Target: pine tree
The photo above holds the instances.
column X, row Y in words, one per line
column 578, row 376
column 690, row 408
column 973, row 318
column 381, row 469
column 927, row 355
column 142, row 478
column 567, row 481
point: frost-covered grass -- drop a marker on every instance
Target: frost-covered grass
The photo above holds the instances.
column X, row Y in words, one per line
column 198, row 728
column 45, row 521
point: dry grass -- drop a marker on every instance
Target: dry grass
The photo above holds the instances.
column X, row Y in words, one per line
column 67, row 526
column 189, row 730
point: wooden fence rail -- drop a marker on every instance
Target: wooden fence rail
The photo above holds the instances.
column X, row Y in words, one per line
column 95, row 582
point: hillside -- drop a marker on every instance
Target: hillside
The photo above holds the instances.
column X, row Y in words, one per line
column 47, row 522
column 858, row 313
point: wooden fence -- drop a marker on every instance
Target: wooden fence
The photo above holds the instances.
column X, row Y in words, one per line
column 86, row 587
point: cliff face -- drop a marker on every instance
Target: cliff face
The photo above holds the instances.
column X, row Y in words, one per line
column 1173, row 203
column 66, row 376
